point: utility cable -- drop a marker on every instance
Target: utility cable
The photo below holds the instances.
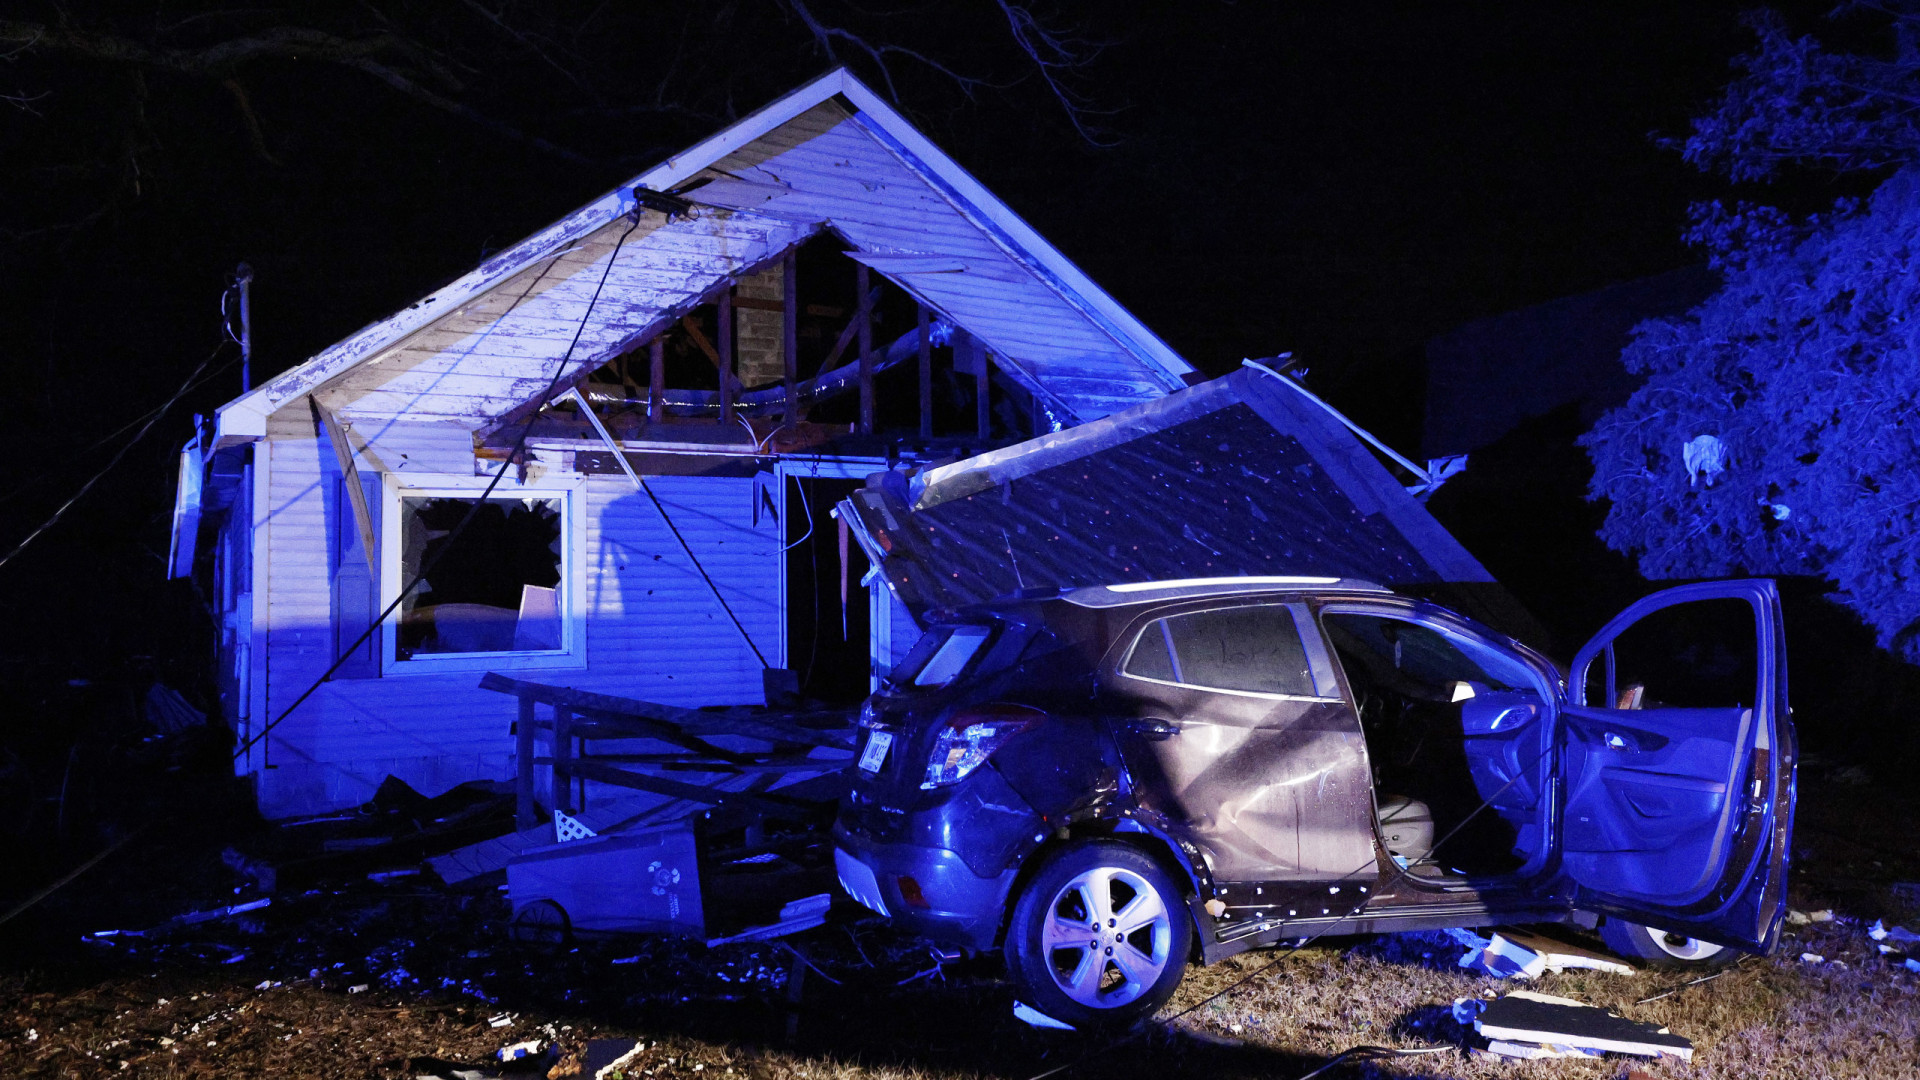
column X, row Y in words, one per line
column 695, row 559
column 1369, row 1053
column 74, row 873
column 111, row 462
column 211, row 374
column 480, row 503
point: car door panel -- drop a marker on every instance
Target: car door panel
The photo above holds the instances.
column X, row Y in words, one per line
column 1646, row 810
column 1270, row 786
column 1670, row 814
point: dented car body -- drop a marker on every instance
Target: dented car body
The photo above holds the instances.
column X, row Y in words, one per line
column 1303, row 756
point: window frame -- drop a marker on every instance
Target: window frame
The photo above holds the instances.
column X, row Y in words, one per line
column 570, row 494
column 1543, row 683
column 1318, row 665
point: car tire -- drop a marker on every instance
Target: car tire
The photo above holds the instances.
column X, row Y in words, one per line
column 1099, row 936
column 1660, row 948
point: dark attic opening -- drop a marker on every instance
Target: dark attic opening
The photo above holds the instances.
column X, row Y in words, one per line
column 829, row 620
column 811, row 351
column 492, row 588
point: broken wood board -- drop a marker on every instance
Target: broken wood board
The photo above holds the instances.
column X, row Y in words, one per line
column 1548, row 1021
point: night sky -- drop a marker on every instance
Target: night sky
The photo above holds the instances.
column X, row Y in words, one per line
column 1340, row 180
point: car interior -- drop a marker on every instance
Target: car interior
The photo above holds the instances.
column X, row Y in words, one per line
column 1448, row 725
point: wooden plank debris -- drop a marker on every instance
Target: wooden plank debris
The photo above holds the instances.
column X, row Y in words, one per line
column 1541, row 1021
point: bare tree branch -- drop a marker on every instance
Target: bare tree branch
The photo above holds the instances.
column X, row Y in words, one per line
column 1053, row 53
column 825, row 35
column 254, row 130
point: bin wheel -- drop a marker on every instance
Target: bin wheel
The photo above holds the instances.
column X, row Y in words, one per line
column 542, row 923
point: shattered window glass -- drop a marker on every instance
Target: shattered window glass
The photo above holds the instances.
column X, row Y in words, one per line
column 1250, row 649
column 494, row 588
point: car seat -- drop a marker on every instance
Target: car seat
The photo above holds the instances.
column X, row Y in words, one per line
column 1406, row 825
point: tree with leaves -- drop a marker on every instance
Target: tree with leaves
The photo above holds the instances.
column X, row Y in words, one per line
column 1778, row 429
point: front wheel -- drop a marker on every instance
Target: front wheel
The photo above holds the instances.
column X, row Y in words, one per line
column 1663, row 948
column 1099, row 936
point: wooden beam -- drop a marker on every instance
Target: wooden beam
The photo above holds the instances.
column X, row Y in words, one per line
column 926, row 373
column 657, row 379
column 790, row 334
column 865, row 319
column 983, row 394
column 773, row 727
column 763, row 804
column 847, row 334
column 350, row 472
column 726, row 357
column 524, row 816
column 562, row 758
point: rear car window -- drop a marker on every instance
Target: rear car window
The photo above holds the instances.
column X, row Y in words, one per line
column 1248, row 649
column 942, row 654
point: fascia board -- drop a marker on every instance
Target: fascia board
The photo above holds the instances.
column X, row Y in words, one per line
column 1014, row 235
column 377, row 337
column 239, row 421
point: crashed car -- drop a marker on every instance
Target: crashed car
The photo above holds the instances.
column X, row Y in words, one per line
column 1109, row 783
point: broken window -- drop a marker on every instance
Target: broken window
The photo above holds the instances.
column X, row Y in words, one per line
column 490, row 587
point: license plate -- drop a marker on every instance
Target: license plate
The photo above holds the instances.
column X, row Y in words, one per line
column 875, row 755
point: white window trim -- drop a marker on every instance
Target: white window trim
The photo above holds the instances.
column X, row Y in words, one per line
column 573, row 562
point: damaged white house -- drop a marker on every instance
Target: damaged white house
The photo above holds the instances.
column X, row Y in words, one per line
column 799, row 301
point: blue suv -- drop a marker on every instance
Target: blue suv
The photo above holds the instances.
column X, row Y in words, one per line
column 1109, row 783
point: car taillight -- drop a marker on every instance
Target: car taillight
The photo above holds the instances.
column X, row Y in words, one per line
column 971, row 736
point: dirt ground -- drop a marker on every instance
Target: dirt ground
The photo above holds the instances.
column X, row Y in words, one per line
column 405, row 978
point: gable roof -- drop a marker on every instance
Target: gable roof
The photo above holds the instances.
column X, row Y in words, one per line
column 831, row 154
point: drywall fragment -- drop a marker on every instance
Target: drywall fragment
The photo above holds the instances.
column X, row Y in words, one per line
column 1524, row 1017
column 1035, row 1017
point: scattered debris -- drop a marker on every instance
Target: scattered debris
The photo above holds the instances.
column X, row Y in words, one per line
column 1899, row 935
column 1540, row 1025
column 1520, row 954
column 521, row 1050
column 803, row 914
column 1812, row 958
column 1803, row 918
column 1029, row 1015
column 612, row 1059
column 189, row 919
column 500, row 1021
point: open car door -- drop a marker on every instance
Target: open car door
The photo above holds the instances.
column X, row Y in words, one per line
column 1677, row 765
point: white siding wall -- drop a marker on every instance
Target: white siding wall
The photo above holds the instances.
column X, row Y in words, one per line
column 654, row 629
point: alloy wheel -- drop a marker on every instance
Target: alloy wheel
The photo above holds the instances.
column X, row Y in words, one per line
column 1107, row 937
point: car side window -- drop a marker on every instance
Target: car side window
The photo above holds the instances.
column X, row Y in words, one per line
column 1248, row 649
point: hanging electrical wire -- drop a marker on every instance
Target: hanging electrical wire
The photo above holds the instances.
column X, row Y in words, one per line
column 185, row 387
column 153, row 413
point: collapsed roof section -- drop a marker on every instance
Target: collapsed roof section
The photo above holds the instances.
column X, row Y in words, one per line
column 831, row 156
column 1243, row 475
